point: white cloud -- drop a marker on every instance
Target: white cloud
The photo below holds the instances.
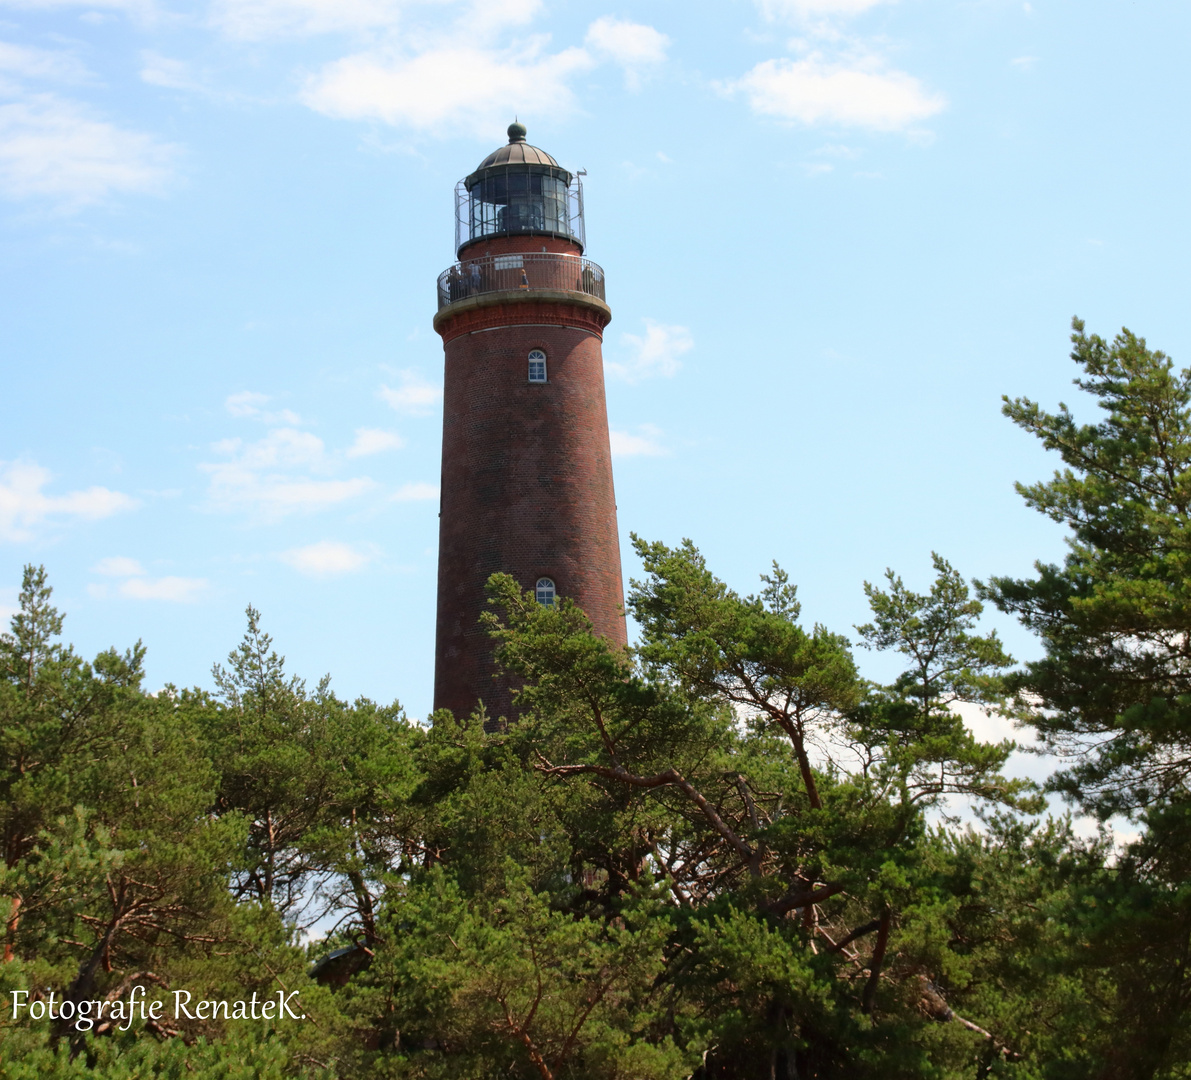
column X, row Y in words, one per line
column 24, row 506
column 415, row 395
column 328, row 558
column 449, row 86
column 484, row 17
column 255, row 20
column 801, row 9
column 141, row 8
column 634, row 46
column 628, row 43
column 138, row 586
column 374, row 441
column 644, row 444
column 247, row 405
column 158, row 70
column 30, row 63
column 118, row 566
column 656, row 353
column 281, row 447
column 1023, row 63
column 178, row 590
column 858, row 92
column 417, row 492
column 271, row 476
column 59, row 149
column 435, row 74
column 274, row 496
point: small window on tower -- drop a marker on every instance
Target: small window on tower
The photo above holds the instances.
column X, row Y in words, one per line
column 537, row 366
column 545, row 592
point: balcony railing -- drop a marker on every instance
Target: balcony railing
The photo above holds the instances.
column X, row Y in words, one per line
column 510, row 273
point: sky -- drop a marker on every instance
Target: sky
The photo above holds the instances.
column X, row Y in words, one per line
column 835, row 233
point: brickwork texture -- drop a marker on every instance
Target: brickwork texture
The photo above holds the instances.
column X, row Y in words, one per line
column 526, row 479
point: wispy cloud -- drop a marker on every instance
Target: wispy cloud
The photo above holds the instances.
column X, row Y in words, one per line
column 859, row 92
column 281, row 447
column 260, row 20
column 61, row 150
column 836, row 78
column 142, row 9
column 248, row 404
column 374, row 441
column 174, row 74
column 178, row 590
column 646, row 443
column 175, row 590
column 53, row 65
column 636, row 47
column 277, row 475
column 415, row 395
column 24, row 506
column 655, row 352
column 137, row 585
column 802, row 9
column 327, row 558
column 415, row 492
column 118, row 566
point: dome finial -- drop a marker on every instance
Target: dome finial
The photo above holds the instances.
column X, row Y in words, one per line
column 516, row 132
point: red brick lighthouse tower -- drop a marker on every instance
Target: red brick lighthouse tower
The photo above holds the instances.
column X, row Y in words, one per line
column 526, row 464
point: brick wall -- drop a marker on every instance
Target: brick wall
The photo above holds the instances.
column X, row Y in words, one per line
column 517, row 244
column 526, row 483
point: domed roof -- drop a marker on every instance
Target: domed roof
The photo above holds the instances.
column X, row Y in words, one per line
column 518, row 152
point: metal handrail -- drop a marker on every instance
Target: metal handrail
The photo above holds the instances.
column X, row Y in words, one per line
column 510, row 273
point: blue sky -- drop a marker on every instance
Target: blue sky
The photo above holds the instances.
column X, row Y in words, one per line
column 835, row 233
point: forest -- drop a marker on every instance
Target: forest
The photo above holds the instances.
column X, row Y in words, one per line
column 724, row 854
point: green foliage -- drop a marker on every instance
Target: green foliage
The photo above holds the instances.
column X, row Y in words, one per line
column 504, row 983
column 1114, row 688
column 720, row 855
column 1111, row 693
column 927, row 751
column 320, row 785
column 237, row 1056
column 778, row 796
column 117, row 869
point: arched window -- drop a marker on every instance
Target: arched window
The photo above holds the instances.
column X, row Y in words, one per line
column 537, row 366
column 545, row 592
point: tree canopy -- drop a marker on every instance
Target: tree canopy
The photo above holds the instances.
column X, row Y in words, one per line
column 722, row 854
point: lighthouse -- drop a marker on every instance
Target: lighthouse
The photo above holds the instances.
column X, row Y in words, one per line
column 526, row 462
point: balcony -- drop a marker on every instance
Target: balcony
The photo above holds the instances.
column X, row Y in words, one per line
column 527, row 272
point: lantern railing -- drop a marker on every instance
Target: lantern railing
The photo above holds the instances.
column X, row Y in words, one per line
column 522, row 271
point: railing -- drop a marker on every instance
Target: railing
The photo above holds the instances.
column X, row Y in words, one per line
column 501, row 273
column 520, row 199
